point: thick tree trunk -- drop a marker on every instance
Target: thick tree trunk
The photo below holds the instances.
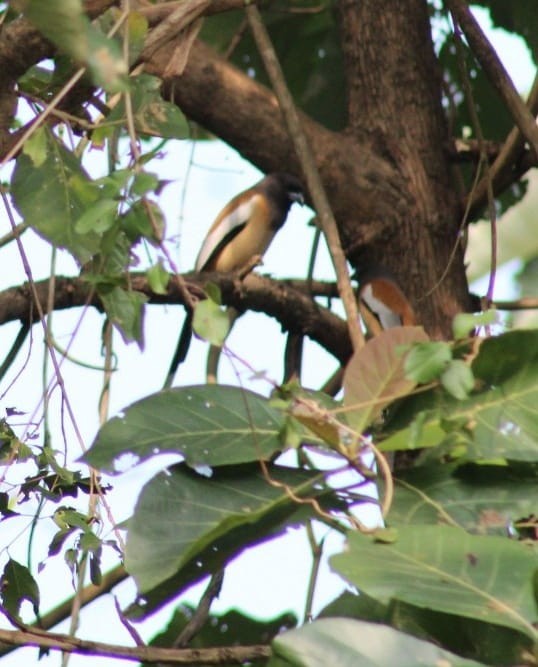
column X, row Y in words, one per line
column 387, row 174
column 394, row 96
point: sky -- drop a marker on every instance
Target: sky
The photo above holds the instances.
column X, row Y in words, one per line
column 203, row 178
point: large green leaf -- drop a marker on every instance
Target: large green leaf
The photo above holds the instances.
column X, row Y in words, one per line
column 449, row 570
column 181, row 513
column 209, row 425
column 375, row 375
column 49, row 198
column 344, row 642
column 65, row 24
column 467, row 637
column 480, row 498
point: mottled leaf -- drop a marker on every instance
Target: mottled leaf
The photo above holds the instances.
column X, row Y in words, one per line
column 374, row 377
column 208, row 425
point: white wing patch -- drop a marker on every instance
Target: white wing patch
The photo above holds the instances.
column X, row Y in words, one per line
column 236, row 218
column 387, row 317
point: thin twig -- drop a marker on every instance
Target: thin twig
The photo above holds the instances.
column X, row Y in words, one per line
column 317, row 551
column 495, row 71
column 200, row 616
column 180, row 18
column 308, row 165
column 14, row 233
column 510, row 152
column 471, row 106
column 525, row 303
column 128, row 625
column 14, row 349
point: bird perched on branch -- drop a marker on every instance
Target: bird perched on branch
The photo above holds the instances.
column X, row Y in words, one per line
column 243, row 230
column 382, row 303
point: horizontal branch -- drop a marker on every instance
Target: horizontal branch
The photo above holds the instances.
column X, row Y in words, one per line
column 526, row 303
column 186, row 656
column 289, row 302
column 88, row 594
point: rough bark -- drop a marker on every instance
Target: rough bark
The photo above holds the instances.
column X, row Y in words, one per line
column 289, row 302
column 387, row 174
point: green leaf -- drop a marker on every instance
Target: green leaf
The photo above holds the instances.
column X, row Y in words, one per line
column 488, row 643
column 312, row 409
column 232, row 628
column 426, row 430
column 151, row 114
column 46, row 197
column 137, row 222
column 35, row 147
column 11, row 448
column 497, row 422
column 344, row 642
column 63, row 22
column 483, row 499
column 97, row 218
column 105, row 62
column 426, row 361
column 125, row 309
column 458, row 379
column 501, row 357
column 208, row 425
column 181, row 513
column 447, row 569
column 137, row 26
column 17, row 585
column 465, row 323
column 504, row 421
column 158, row 278
column 144, row 182
column 211, row 322
column 474, row 639
column 375, row 377
column 67, row 517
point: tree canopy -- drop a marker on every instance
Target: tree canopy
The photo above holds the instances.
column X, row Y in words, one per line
column 419, row 453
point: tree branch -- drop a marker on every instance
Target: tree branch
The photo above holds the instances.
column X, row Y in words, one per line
column 308, row 167
column 495, row 71
column 511, row 162
column 207, row 656
column 284, row 300
column 363, row 188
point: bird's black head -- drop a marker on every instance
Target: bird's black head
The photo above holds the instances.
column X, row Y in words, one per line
column 292, row 185
column 283, row 189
